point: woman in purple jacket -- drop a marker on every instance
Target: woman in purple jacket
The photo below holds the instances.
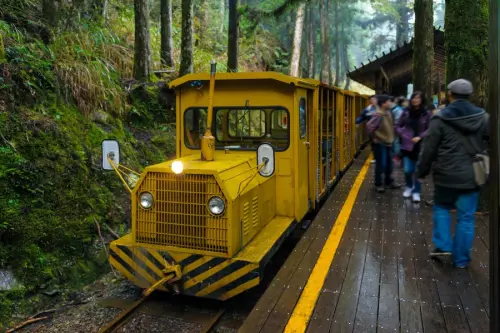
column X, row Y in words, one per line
column 411, row 127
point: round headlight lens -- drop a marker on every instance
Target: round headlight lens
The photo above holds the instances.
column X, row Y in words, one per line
column 216, row 205
column 177, row 167
column 146, row 200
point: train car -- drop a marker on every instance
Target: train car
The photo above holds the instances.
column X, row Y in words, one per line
column 255, row 153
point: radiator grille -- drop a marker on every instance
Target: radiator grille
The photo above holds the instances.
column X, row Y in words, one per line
column 179, row 216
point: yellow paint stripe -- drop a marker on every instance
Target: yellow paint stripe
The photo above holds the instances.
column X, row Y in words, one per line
column 199, row 278
column 134, row 265
column 155, row 254
column 148, row 263
column 126, row 273
column 305, row 306
column 226, row 280
column 241, row 288
column 196, row 264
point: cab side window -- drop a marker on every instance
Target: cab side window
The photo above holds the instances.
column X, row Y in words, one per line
column 302, row 118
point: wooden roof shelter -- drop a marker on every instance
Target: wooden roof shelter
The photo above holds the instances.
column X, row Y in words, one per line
column 392, row 72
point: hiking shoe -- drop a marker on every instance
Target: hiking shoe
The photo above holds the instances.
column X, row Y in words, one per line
column 373, row 161
column 380, row 189
column 439, row 253
column 407, row 192
column 416, row 197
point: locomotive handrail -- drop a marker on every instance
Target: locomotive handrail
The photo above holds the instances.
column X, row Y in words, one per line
column 119, row 172
column 251, row 178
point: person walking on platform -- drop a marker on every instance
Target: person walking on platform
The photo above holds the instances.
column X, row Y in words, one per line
column 411, row 128
column 397, row 110
column 367, row 113
column 381, row 129
column 455, row 137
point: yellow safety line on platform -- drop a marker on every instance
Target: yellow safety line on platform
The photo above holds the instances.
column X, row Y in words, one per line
column 305, row 306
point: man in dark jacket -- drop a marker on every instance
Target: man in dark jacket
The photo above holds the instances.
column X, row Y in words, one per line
column 444, row 150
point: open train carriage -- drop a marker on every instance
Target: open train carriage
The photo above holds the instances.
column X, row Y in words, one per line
column 207, row 226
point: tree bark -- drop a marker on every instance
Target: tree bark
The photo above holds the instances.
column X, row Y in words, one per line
column 142, row 57
column 423, row 46
column 325, row 42
column 187, row 38
column 232, row 37
column 346, row 64
column 222, row 10
column 50, row 11
column 297, row 41
column 403, row 25
column 310, row 42
column 167, row 56
column 337, row 45
column 204, row 22
column 466, row 45
column 345, row 58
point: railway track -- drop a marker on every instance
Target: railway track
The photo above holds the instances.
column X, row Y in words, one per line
column 208, row 315
column 145, row 305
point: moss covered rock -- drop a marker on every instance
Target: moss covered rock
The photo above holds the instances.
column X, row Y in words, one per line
column 52, row 188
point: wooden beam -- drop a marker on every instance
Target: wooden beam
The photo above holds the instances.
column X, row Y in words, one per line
column 388, row 80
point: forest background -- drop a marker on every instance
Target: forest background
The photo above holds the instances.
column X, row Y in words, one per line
column 73, row 73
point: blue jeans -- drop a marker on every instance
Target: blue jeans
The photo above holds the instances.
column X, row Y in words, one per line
column 383, row 165
column 460, row 247
column 397, row 146
column 410, row 167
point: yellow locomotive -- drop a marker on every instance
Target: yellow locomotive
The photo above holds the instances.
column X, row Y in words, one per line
column 252, row 159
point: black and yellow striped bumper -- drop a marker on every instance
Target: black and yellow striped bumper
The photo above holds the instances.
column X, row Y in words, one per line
column 202, row 276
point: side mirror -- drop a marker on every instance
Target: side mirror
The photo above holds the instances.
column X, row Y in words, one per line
column 112, row 149
column 265, row 154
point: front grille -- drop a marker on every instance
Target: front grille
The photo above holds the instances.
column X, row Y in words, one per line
column 179, row 216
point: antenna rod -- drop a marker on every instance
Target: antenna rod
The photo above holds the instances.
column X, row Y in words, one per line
column 208, row 140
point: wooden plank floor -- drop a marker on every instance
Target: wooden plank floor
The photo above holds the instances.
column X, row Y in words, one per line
column 381, row 278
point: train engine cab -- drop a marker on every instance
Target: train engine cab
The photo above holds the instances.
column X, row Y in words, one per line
column 206, row 223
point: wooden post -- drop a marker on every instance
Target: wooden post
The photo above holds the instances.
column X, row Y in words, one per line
column 438, row 87
column 493, row 108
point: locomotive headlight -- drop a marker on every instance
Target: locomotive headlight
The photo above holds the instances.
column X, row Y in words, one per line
column 216, row 205
column 177, row 167
column 146, row 200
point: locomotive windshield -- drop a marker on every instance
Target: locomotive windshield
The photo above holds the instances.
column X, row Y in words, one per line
column 239, row 128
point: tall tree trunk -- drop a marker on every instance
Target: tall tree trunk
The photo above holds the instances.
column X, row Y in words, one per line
column 50, row 11
column 337, row 44
column 297, row 41
column 232, row 37
column 142, row 57
column 423, row 44
column 187, row 38
column 204, row 21
column 345, row 58
column 98, row 9
column 325, row 42
column 403, row 25
column 346, row 64
column 222, row 11
column 466, row 44
column 167, row 56
column 311, row 41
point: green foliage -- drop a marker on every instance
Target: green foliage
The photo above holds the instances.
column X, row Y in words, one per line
column 57, row 103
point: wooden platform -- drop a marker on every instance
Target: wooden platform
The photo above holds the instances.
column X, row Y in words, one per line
column 381, row 278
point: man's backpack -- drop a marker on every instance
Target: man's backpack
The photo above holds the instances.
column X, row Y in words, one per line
column 373, row 124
